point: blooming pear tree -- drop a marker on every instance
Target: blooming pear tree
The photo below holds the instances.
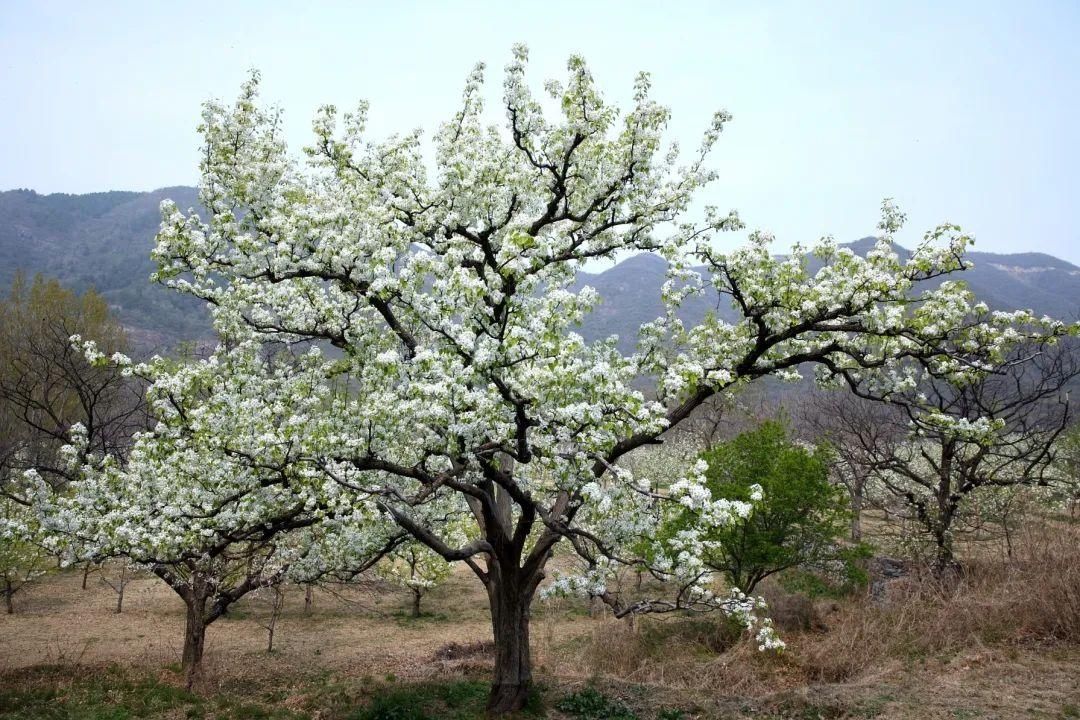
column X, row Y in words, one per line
column 417, row 569
column 940, row 444
column 213, row 521
column 22, row 555
column 444, row 282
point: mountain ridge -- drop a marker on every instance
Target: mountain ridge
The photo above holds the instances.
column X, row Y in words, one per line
column 103, row 240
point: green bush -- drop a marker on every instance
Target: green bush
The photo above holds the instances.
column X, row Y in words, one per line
column 799, row 518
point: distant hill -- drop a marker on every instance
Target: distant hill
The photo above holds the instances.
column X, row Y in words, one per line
column 103, row 240
column 1029, row 281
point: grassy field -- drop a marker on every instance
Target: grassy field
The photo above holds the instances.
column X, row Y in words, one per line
column 1004, row 644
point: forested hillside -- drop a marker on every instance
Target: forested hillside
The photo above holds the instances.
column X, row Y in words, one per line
column 101, row 240
column 104, row 240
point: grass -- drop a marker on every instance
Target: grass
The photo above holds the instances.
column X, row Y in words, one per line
column 65, row 693
column 116, row 694
column 1003, row 642
column 406, row 619
column 591, row 704
column 1029, row 604
column 462, row 700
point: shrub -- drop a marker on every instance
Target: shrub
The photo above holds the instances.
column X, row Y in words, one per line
column 798, row 519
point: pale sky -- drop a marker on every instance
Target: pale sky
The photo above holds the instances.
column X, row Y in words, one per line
column 961, row 111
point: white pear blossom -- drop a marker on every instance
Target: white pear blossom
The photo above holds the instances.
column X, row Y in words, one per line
column 459, row 380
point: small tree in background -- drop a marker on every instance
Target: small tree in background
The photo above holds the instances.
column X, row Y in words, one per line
column 21, row 558
column 417, row 569
column 47, row 387
column 937, row 445
column 273, row 597
column 118, row 581
column 797, row 513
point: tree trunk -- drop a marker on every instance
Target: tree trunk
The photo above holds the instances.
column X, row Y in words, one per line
column 945, row 565
column 309, row 599
column 9, row 600
column 85, row 574
column 120, row 590
column 510, row 599
column 194, row 638
column 277, row 603
column 856, row 516
column 416, row 594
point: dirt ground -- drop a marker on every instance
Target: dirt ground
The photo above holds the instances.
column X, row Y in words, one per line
column 354, row 631
column 366, row 634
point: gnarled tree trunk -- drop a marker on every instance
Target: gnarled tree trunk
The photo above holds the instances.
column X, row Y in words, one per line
column 510, row 594
column 194, row 637
column 945, row 565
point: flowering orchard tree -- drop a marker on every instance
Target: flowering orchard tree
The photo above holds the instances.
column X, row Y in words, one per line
column 214, row 521
column 22, row 556
column 939, row 446
column 444, row 282
column 417, row 569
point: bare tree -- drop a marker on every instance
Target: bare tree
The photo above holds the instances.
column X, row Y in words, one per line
column 274, row 595
column 118, row 583
column 858, row 430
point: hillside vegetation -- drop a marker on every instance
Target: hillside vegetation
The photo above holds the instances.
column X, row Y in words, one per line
column 103, row 240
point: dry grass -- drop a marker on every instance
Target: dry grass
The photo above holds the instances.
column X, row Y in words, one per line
column 1003, row 640
column 1020, row 619
column 358, row 632
column 1032, row 600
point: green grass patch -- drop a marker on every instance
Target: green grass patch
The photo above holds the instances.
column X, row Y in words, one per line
column 591, row 704
column 460, row 700
column 114, row 694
